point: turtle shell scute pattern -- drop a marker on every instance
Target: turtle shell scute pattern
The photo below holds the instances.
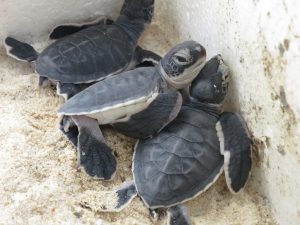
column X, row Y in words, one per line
column 180, row 162
column 114, row 92
column 87, row 55
column 151, row 120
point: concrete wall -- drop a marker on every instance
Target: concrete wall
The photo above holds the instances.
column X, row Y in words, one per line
column 35, row 18
column 259, row 39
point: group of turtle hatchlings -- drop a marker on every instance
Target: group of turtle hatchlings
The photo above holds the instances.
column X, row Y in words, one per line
column 173, row 105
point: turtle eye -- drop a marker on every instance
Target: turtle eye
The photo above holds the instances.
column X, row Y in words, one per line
column 181, row 59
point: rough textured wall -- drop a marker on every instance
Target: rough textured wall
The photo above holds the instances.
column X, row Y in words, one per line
column 33, row 19
column 260, row 40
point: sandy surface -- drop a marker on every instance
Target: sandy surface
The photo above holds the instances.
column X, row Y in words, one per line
column 39, row 179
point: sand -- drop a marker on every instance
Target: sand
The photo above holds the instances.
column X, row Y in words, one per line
column 40, row 182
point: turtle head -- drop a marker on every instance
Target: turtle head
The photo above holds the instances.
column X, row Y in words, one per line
column 138, row 9
column 212, row 83
column 183, row 63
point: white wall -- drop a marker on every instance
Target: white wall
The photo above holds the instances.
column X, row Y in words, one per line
column 35, row 18
column 259, row 39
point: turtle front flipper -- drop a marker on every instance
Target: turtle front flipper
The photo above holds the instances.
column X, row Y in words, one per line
column 235, row 145
column 20, row 50
column 154, row 118
column 108, row 201
column 67, row 29
column 146, row 58
column 96, row 158
column 178, row 215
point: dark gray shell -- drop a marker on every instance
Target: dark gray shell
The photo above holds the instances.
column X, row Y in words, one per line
column 179, row 163
column 114, row 91
column 87, row 55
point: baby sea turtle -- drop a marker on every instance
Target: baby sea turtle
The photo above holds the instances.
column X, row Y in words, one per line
column 189, row 155
column 116, row 99
column 90, row 52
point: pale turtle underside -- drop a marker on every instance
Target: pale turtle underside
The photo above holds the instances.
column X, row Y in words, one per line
column 115, row 93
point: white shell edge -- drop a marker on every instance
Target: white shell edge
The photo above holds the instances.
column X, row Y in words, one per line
column 226, row 155
column 167, row 206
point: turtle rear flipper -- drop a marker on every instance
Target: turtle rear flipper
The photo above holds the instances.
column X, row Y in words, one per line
column 178, row 215
column 67, row 29
column 94, row 155
column 67, row 90
column 235, row 145
column 125, row 194
column 108, row 201
column 20, row 50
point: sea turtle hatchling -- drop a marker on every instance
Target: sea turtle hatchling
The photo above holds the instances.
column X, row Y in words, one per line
column 117, row 99
column 189, row 154
column 90, row 52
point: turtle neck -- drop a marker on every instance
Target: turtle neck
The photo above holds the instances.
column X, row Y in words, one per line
column 210, row 108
